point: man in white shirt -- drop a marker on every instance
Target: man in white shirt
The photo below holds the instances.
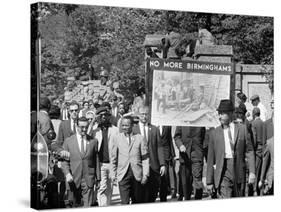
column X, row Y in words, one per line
column 82, row 169
column 255, row 99
column 228, row 148
column 67, row 128
column 130, row 163
column 156, row 153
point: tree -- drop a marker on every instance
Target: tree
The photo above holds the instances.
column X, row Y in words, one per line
column 76, row 38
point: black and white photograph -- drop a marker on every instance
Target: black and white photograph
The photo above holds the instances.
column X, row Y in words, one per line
column 188, row 98
column 143, row 105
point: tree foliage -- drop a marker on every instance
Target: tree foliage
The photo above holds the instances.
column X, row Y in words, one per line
column 77, row 38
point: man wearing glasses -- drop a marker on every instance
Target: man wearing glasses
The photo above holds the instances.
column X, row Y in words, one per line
column 67, row 128
column 105, row 134
column 82, row 168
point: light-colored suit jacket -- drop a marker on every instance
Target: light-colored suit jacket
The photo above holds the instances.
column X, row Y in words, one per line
column 112, row 133
column 135, row 155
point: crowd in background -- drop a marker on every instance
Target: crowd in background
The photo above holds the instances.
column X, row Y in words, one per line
column 102, row 144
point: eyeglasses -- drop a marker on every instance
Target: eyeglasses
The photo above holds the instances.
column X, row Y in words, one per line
column 76, row 110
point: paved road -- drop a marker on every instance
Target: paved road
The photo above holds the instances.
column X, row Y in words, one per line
column 116, row 197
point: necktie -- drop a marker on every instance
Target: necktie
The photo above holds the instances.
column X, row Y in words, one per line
column 82, row 146
column 230, row 139
column 74, row 128
column 130, row 140
column 144, row 133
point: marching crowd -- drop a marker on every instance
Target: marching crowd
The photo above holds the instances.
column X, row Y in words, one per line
column 105, row 144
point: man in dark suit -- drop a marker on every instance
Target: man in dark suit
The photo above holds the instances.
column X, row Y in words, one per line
column 168, row 180
column 266, row 183
column 267, row 170
column 229, row 146
column 156, row 154
column 258, row 129
column 82, row 168
column 67, row 128
column 189, row 141
column 130, row 163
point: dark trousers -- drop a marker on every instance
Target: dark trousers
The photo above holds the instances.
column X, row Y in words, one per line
column 164, row 186
column 228, row 187
column 168, row 182
column 191, row 172
column 258, row 174
column 197, row 172
column 130, row 188
column 58, row 173
column 82, row 192
column 152, row 186
column 172, row 177
column 186, row 180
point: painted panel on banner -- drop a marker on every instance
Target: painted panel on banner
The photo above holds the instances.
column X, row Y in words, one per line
column 186, row 98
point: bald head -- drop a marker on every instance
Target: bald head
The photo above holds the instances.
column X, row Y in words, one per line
column 143, row 114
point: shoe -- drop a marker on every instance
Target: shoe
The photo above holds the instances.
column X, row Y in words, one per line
column 174, row 196
column 180, row 198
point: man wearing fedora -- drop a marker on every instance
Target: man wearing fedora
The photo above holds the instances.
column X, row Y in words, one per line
column 229, row 146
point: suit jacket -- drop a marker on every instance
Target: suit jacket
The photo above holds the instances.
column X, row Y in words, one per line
column 79, row 165
column 192, row 138
column 243, row 148
column 112, row 133
column 134, row 155
column 258, row 129
column 269, row 128
column 155, row 148
column 64, row 133
column 167, row 143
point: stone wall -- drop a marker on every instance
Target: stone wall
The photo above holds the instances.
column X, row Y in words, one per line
column 85, row 90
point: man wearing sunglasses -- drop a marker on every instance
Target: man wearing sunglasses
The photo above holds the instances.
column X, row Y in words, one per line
column 67, row 128
column 81, row 170
column 105, row 133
